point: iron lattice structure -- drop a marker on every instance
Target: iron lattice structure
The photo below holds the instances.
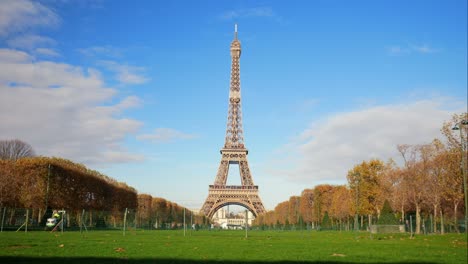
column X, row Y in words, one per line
column 234, row 152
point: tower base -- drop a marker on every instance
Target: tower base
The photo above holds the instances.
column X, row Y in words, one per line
column 222, row 195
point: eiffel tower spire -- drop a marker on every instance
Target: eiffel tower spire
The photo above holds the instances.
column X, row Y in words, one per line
column 234, row 131
column 234, row 152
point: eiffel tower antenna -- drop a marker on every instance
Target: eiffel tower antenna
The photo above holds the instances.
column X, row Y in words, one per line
column 234, row 152
column 235, row 31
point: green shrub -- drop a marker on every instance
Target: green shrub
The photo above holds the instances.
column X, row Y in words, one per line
column 387, row 217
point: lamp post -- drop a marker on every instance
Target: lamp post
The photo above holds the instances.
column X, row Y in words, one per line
column 463, row 149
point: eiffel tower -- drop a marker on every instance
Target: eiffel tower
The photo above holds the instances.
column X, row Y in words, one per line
column 234, row 152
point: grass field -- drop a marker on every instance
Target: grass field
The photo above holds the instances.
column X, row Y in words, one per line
column 229, row 247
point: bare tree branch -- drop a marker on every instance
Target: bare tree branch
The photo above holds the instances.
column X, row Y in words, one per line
column 15, row 149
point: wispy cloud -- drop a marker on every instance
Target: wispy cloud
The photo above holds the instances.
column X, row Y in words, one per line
column 21, row 15
column 102, row 51
column 165, row 135
column 248, row 12
column 30, row 41
column 125, row 74
column 129, row 102
column 47, row 52
column 408, row 49
column 424, row 49
column 306, row 105
column 398, row 50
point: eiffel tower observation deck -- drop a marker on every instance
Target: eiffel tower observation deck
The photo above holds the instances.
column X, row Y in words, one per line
column 234, row 152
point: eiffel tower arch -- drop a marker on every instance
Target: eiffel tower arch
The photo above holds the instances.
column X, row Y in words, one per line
column 234, row 152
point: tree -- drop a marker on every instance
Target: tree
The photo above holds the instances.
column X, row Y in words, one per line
column 434, row 156
column 457, row 142
column 398, row 195
column 387, row 217
column 15, row 149
column 144, row 208
column 9, row 184
column 415, row 177
column 306, row 205
column 322, row 200
column 326, row 222
column 341, row 204
column 293, row 210
column 281, row 212
column 160, row 209
column 366, row 182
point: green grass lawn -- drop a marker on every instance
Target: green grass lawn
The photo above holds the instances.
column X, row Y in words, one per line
column 229, row 247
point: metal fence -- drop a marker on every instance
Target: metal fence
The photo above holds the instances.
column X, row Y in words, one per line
column 21, row 219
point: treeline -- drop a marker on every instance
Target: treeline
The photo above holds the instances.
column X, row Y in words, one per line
column 42, row 183
column 160, row 213
column 428, row 186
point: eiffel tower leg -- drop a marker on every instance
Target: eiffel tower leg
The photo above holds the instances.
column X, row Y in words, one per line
column 221, row 176
column 244, row 170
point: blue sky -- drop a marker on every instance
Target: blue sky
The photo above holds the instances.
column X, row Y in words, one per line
column 139, row 89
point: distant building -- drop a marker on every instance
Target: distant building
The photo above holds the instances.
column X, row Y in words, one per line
column 226, row 220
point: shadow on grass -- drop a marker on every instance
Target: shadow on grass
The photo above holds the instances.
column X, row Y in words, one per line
column 62, row 260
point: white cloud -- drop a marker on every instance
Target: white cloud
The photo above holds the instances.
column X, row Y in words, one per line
column 165, row 135
column 60, row 109
column 125, row 74
column 248, row 12
column 14, row 56
column 20, row 15
column 56, row 107
column 331, row 147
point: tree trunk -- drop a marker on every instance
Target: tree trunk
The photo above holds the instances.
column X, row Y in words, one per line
column 369, row 217
column 402, row 214
column 418, row 219
column 435, row 218
column 90, row 218
column 12, row 214
column 78, row 217
column 39, row 215
column 455, row 213
column 362, row 222
column 442, row 229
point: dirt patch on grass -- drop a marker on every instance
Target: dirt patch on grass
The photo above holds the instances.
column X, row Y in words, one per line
column 120, row 249
column 19, row 246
